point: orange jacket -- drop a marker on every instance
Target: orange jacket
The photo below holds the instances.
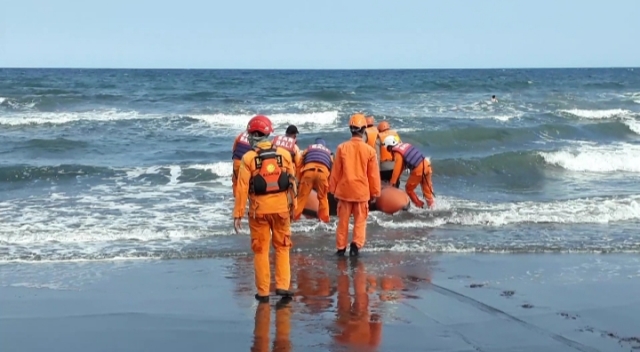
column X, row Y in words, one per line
column 371, row 135
column 355, row 176
column 263, row 204
column 386, row 155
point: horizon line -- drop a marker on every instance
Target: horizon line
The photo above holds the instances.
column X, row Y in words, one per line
column 313, row 69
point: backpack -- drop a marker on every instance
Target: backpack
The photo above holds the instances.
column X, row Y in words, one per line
column 269, row 177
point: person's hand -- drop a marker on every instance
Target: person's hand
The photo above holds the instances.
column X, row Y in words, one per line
column 237, row 224
column 431, row 204
column 373, row 200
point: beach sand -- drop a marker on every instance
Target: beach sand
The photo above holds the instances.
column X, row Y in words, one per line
column 381, row 301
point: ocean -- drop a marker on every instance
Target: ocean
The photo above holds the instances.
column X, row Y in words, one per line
column 136, row 164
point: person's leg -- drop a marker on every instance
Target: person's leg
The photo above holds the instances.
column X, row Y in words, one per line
column 281, row 227
column 260, row 236
column 342, row 230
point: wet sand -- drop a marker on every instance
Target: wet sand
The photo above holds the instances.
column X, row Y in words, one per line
column 381, row 301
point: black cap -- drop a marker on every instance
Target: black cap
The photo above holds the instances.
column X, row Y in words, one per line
column 292, row 129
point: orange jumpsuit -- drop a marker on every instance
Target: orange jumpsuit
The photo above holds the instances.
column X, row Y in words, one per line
column 269, row 221
column 420, row 175
column 261, row 333
column 386, row 158
column 354, row 181
column 314, row 174
column 241, row 145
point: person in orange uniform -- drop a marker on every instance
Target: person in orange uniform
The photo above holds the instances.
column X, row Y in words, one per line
column 241, row 145
column 266, row 178
column 409, row 157
column 314, row 174
column 386, row 158
column 354, row 181
column 371, row 135
column 289, row 142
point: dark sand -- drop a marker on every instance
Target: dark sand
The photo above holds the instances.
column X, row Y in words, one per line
column 384, row 301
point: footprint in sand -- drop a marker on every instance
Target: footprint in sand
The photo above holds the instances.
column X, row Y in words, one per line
column 568, row 316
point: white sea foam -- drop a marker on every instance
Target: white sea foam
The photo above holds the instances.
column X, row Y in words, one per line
column 240, row 121
column 633, row 125
column 39, row 118
column 575, row 211
column 597, row 114
column 597, row 158
column 218, row 123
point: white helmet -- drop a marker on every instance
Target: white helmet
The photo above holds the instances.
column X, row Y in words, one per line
column 390, row 141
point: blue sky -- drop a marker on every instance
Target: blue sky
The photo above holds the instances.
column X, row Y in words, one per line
column 319, row 34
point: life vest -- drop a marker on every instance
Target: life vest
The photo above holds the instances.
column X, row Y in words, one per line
column 269, row 176
column 242, row 146
column 372, row 135
column 386, row 155
column 411, row 155
column 318, row 153
column 287, row 143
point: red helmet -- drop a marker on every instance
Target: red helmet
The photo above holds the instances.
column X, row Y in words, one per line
column 260, row 123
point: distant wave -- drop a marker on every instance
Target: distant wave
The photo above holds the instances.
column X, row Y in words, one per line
column 584, row 157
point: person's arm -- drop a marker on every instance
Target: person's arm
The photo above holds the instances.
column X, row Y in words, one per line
column 291, row 170
column 336, row 172
column 235, row 144
column 378, row 146
column 429, row 191
column 397, row 168
column 373, row 175
column 300, row 165
column 242, row 187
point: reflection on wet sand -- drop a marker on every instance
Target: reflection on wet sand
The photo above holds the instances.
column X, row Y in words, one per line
column 345, row 300
column 261, row 330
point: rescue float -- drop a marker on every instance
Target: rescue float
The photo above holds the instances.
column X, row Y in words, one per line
column 391, row 200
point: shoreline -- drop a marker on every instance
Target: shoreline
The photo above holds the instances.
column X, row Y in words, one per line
column 380, row 301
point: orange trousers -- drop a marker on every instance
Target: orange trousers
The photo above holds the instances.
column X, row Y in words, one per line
column 262, row 327
column 421, row 175
column 274, row 228
column 360, row 212
column 317, row 178
column 234, row 177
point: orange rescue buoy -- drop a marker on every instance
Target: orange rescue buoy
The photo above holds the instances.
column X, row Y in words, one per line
column 392, row 200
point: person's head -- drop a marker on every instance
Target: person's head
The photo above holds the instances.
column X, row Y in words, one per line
column 390, row 142
column 493, row 97
column 383, row 126
column 357, row 125
column 321, row 142
column 370, row 121
column 292, row 131
column 259, row 128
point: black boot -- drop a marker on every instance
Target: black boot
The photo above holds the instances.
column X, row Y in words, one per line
column 340, row 252
column 284, row 293
column 353, row 250
column 262, row 299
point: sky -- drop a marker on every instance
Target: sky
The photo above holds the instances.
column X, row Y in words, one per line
column 320, row 34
